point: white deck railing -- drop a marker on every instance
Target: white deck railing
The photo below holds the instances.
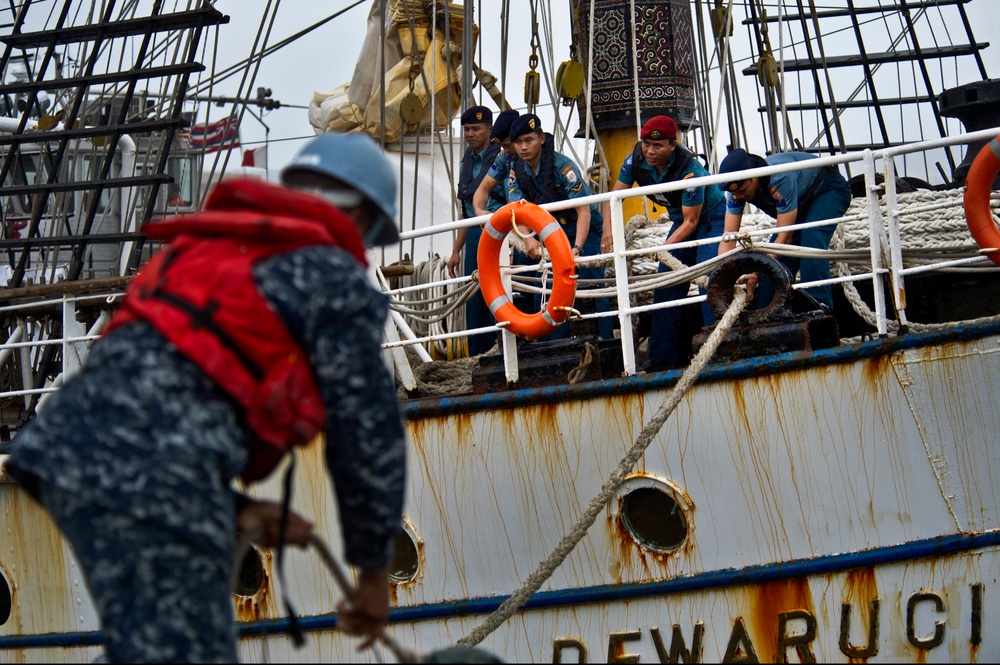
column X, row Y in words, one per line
column 885, row 256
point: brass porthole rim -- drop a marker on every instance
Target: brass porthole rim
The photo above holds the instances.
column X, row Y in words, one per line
column 670, row 489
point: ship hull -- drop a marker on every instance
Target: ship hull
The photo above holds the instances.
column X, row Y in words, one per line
column 838, row 504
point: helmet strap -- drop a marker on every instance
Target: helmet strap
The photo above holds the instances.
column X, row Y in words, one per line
column 374, row 231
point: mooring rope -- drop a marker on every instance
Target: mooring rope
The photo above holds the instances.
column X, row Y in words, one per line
column 614, row 481
column 244, row 546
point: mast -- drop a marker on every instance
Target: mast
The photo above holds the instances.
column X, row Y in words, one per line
column 644, row 59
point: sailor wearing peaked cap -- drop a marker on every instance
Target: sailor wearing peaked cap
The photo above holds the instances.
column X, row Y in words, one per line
column 542, row 175
column 477, row 114
column 477, row 122
column 738, row 160
column 501, row 128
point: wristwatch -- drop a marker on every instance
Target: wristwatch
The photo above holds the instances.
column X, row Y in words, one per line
column 579, row 248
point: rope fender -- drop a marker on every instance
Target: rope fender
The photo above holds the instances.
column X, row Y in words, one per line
column 978, row 184
column 560, row 302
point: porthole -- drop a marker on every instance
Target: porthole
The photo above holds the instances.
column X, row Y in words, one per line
column 6, row 599
column 405, row 555
column 250, row 577
column 655, row 514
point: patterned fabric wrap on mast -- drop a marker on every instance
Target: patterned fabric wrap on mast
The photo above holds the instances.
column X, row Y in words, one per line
column 665, row 59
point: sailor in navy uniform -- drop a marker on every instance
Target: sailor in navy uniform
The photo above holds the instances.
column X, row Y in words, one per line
column 542, row 175
column 695, row 213
column 477, row 122
column 809, row 195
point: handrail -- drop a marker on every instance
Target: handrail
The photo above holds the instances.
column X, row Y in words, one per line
column 715, row 179
column 885, row 251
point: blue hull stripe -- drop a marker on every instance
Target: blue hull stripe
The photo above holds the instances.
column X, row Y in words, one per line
column 750, row 367
column 801, row 568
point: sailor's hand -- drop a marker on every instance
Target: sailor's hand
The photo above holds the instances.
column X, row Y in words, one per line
column 532, row 248
column 264, row 518
column 453, row 263
column 750, row 281
column 607, row 242
column 367, row 614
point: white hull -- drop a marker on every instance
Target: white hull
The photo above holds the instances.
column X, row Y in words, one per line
column 844, row 479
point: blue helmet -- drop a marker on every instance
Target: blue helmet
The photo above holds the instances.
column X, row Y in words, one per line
column 357, row 162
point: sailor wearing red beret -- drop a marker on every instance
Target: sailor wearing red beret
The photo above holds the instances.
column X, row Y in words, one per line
column 659, row 127
column 696, row 213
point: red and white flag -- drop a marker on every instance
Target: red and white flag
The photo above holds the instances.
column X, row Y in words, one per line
column 224, row 134
column 256, row 157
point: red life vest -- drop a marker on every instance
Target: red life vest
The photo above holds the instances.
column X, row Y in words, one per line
column 199, row 292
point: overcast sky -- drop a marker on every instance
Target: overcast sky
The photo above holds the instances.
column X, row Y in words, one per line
column 327, row 57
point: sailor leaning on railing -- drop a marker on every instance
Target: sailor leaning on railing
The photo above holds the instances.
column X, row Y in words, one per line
column 791, row 198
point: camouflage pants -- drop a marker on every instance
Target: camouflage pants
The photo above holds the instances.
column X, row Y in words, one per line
column 161, row 597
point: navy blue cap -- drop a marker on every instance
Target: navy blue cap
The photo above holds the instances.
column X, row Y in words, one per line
column 525, row 124
column 501, row 128
column 477, row 114
column 737, row 160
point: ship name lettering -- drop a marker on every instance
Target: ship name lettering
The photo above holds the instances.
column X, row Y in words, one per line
column 938, row 606
column 925, row 615
column 871, row 644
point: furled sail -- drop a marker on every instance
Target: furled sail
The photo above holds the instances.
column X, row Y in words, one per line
column 419, row 55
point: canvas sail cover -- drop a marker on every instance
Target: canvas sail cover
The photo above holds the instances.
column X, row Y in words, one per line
column 409, row 39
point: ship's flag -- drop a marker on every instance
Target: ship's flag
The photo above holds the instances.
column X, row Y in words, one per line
column 224, row 134
column 256, row 157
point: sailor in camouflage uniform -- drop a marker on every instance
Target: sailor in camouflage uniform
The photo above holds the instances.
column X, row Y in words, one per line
column 134, row 457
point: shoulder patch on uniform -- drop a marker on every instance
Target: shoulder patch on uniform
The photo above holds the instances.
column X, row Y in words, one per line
column 775, row 194
column 569, row 173
column 689, row 175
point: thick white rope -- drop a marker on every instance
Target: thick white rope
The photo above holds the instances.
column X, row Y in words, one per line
column 614, row 481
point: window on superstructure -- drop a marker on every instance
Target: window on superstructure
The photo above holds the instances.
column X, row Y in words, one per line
column 90, row 170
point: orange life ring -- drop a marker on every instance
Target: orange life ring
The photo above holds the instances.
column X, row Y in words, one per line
column 978, row 185
column 556, row 310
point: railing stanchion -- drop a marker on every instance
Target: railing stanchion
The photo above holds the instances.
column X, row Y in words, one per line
column 876, row 232
column 621, row 285
column 895, row 244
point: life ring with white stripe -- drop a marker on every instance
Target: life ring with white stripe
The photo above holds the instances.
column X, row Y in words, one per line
column 560, row 302
column 978, row 185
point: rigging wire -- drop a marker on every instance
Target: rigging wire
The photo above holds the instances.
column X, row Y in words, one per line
column 241, row 65
column 634, row 38
column 785, row 129
column 559, row 128
column 829, row 83
column 702, row 107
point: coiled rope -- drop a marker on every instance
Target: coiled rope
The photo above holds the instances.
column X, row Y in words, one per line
column 436, row 309
column 614, row 481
